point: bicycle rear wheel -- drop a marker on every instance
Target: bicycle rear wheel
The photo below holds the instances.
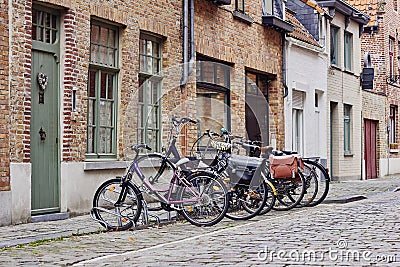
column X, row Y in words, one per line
column 116, row 215
column 318, row 171
column 290, row 192
column 205, row 199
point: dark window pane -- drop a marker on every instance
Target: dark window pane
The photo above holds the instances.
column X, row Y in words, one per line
column 92, row 84
column 110, row 86
column 103, row 85
column 34, row 16
column 54, row 22
column 48, row 20
column 54, row 37
column 48, row 34
column 34, row 32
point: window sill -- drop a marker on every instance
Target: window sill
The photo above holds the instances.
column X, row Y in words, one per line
column 105, row 165
column 394, row 150
column 348, row 155
column 243, row 17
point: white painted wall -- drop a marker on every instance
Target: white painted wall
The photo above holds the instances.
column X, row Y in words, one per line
column 307, row 72
column 20, row 178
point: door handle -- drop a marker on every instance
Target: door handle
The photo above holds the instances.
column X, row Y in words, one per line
column 42, row 134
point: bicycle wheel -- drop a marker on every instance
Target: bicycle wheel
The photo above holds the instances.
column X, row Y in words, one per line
column 289, row 192
column 245, row 203
column 313, row 168
column 311, row 187
column 205, row 199
column 116, row 215
column 270, row 198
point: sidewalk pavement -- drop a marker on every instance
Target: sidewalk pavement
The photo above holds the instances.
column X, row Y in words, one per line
column 340, row 192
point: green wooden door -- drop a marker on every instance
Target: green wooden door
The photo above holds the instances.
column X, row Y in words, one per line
column 45, row 114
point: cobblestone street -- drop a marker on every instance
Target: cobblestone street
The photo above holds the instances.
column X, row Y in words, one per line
column 358, row 233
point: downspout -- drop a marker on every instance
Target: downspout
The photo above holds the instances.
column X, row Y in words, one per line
column 188, row 63
column 192, row 46
column 286, row 92
column 185, row 47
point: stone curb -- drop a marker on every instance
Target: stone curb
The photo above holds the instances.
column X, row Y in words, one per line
column 68, row 234
column 345, row 199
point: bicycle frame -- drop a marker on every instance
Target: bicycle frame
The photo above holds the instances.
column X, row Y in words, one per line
column 176, row 177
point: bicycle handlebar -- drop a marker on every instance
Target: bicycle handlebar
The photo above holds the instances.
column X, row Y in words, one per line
column 183, row 120
column 136, row 148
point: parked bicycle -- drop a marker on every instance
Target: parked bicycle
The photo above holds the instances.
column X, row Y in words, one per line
column 200, row 197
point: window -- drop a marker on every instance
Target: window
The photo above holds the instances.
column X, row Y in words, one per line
column 268, row 7
column 239, row 5
column 297, row 130
column 348, row 48
column 256, row 106
column 44, row 27
column 297, row 117
column 149, row 102
column 391, row 56
column 102, row 91
column 316, row 100
column 347, row 129
column 334, row 45
column 395, row 5
column 398, row 59
column 213, row 97
column 392, row 124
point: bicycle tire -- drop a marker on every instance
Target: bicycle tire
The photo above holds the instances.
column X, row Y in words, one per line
column 244, row 203
column 270, row 199
column 323, row 181
column 106, row 197
column 290, row 192
column 213, row 203
column 311, row 184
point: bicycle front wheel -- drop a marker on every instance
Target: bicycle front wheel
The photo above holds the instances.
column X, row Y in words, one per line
column 205, row 199
column 117, row 215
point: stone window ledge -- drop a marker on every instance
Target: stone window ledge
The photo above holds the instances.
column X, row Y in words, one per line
column 243, row 17
column 105, row 165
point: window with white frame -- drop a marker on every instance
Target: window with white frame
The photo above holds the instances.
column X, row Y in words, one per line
column 102, row 91
column 149, row 102
column 392, row 124
column 348, row 50
column 347, row 129
column 297, row 120
column 334, row 45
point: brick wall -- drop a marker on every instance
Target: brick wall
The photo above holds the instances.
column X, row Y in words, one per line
column 4, row 98
column 377, row 44
column 218, row 35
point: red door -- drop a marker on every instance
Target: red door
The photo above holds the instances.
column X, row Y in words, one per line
column 370, row 149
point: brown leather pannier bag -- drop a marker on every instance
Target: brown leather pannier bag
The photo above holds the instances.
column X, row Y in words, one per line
column 285, row 166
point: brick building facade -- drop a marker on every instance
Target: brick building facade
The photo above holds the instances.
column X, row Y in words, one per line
column 380, row 105
column 77, row 88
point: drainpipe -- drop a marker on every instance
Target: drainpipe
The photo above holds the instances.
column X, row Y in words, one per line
column 188, row 63
column 192, row 46
column 286, row 92
column 185, row 47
